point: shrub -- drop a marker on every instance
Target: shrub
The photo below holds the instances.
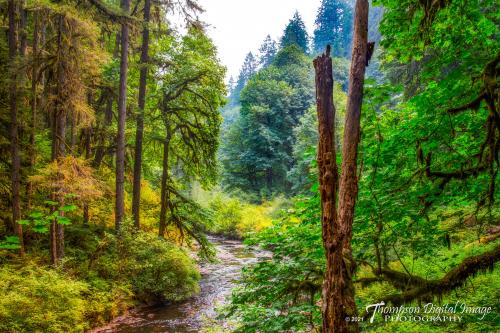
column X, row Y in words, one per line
column 158, row 268
column 102, row 276
column 238, row 219
column 228, row 214
column 35, row 299
column 154, row 267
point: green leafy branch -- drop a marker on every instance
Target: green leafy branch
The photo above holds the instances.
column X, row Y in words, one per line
column 39, row 221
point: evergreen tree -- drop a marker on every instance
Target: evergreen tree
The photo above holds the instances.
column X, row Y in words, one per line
column 334, row 27
column 122, row 118
column 267, row 51
column 248, row 69
column 139, row 133
column 231, row 85
column 258, row 148
column 295, row 33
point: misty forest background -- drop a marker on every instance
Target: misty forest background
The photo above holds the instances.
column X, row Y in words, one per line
column 122, row 148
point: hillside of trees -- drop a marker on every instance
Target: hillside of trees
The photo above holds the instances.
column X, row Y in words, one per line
column 361, row 155
column 424, row 222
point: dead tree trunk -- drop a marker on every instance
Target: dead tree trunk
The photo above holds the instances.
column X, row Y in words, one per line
column 14, row 126
column 343, row 261
column 328, row 175
column 338, row 290
column 122, row 114
column 136, row 196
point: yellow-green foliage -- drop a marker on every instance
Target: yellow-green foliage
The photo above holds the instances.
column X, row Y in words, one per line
column 235, row 218
column 101, row 209
column 100, row 278
column 36, row 299
column 150, row 207
column 257, row 217
column 156, row 268
column 228, row 214
column 69, row 175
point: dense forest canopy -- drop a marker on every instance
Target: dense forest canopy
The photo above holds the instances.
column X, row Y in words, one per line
column 362, row 156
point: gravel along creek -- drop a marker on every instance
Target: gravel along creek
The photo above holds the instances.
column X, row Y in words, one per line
column 194, row 314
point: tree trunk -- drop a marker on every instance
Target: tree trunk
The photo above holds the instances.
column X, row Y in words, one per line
column 122, row 114
column 58, row 151
column 328, row 176
column 58, row 147
column 269, row 180
column 88, row 151
column 73, row 150
column 34, row 106
column 108, row 119
column 339, row 306
column 136, row 198
column 165, row 197
column 23, row 36
column 14, row 126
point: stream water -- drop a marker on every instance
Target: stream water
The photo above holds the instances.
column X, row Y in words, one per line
column 197, row 312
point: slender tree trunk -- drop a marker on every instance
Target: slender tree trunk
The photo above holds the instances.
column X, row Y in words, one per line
column 53, row 223
column 88, row 151
column 34, row 105
column 23, row 35
column 122, row 114
column 58, row 151
column 165, row 197
column 108, row 119
column 101, row 150
column 73, row 149
column 58, row 147
column 136, row 198
column 339, row 306
column 14, row 126
column 61, row 151
column 269, row 179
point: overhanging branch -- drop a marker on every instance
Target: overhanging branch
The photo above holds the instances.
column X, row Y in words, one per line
column 416, row 288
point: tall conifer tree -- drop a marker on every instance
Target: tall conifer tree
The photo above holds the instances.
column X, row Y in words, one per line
column 295, row 33
column 267, row 51
column 248, row 69
column 334, row 27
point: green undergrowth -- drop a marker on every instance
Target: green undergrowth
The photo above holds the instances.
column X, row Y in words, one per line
column 283, row 293
column 238, row 219
column 100, row 278
column 234, row 217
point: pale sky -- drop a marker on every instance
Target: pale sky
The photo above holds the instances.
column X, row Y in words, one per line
column 240, row 26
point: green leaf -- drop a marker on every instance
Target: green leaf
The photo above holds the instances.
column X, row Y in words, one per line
column 68, row 208
column 63, row 220
column 40, row 229
column 36, row 215
column 40, row 222
column 24, row 222
column 10, row 243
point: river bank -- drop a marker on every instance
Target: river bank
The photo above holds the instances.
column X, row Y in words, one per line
column 196, row 313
